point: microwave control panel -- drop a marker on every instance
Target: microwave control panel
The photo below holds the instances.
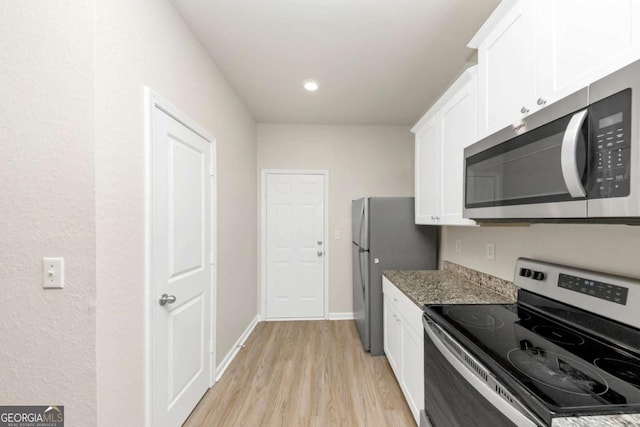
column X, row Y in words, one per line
column 610, row 136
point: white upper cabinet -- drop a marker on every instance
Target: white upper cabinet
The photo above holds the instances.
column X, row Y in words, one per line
column 533, row 52
column 427, row 172
column 580, row 41
column 441, row 136
column 459, row 129
column 506, row 69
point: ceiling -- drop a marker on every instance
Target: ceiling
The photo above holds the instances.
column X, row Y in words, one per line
column 381, row 62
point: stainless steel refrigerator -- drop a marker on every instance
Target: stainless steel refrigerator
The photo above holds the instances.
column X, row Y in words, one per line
column 385, row 237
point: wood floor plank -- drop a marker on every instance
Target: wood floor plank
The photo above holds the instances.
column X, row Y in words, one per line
column 313, row 374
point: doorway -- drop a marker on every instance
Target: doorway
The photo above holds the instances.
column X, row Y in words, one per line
column 294, row 244
column 180, row 255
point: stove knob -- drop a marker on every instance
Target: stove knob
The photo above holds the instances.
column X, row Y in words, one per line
column 538, row 275
column 525, row 272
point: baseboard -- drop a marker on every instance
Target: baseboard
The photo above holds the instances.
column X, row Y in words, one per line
column 294, row 319
column 236, row 348
column 332, row 316
column 341, row 316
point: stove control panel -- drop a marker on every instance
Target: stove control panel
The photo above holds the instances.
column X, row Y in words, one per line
column 611, row 296
column 594, row 288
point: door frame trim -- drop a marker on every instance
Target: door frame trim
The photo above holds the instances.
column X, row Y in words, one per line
column 263, row 235
column 153, row 101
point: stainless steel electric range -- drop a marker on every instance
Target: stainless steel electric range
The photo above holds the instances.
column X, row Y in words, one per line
column 569, row 347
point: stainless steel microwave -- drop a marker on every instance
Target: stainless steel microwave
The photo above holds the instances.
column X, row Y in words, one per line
column 577, row 159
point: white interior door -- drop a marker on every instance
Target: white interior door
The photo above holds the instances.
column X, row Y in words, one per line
column 180, row 269
column 295, row 267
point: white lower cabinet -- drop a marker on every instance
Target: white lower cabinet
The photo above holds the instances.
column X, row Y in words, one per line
column 404, row 345
column 413, row 369
column 392, row 336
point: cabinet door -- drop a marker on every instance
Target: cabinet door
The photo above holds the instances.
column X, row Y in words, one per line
column 427, row 172
column 506, row 70
column 459, row 117
column 392, row 336
column 580, row 41
column 413, row 368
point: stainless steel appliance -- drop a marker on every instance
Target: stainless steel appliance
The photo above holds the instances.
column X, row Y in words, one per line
column 576, row 159
column 385, row 237
column 573, row 352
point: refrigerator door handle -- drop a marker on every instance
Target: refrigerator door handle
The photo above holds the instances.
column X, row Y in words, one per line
column 361, row 275
column 361, row 225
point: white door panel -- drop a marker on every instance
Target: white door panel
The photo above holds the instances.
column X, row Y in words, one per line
column 506, row 71
column 295, row 258
column 459, row 129
column 428, row 158
column 581, row 41
column 180, row 243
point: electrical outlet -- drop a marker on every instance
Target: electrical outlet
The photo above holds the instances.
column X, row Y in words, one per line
column 491, row 251
column 337, row 235
column 458, row 245
column 53, row 273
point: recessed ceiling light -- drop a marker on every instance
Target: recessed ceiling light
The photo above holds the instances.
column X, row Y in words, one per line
column 311, row 85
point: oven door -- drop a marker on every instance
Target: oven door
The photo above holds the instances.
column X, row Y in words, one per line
column 536, row 173
column 460, row 392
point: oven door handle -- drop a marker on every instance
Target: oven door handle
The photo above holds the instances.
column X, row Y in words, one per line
column 479, row 377
column 569, row 155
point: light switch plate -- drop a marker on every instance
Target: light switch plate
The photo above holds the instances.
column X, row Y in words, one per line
column 53, row 273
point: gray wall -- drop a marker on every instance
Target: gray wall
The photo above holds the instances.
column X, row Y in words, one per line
column 47, row 208
column 72, row 180
column 138, row 43
column 609, row 248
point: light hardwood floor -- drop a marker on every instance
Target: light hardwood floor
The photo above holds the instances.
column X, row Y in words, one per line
column 304, row 374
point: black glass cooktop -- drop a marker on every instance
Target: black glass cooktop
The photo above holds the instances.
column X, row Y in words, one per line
column 558, row 367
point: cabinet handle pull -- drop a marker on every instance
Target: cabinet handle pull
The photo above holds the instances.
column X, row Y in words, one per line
column 524, row 110
column 519, row 126
column 541, row 101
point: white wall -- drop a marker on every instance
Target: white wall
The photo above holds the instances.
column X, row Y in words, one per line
column 138, row 43
column 608, row 248
column 361, row 160
column 47, row 350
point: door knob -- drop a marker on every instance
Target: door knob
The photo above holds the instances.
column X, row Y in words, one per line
column 319, row 242
column 167, row 299
column 320, row 253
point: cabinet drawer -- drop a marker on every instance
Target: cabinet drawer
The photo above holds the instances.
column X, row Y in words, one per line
column 411, row 313
column 394, row 294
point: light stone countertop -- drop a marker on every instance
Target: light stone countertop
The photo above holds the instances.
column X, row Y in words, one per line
column 442, row 287
column 619, row 420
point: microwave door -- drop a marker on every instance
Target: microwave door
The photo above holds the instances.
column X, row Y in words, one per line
column 537, row 174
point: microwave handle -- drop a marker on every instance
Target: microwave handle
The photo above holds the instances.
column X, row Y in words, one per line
column 569, row 158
